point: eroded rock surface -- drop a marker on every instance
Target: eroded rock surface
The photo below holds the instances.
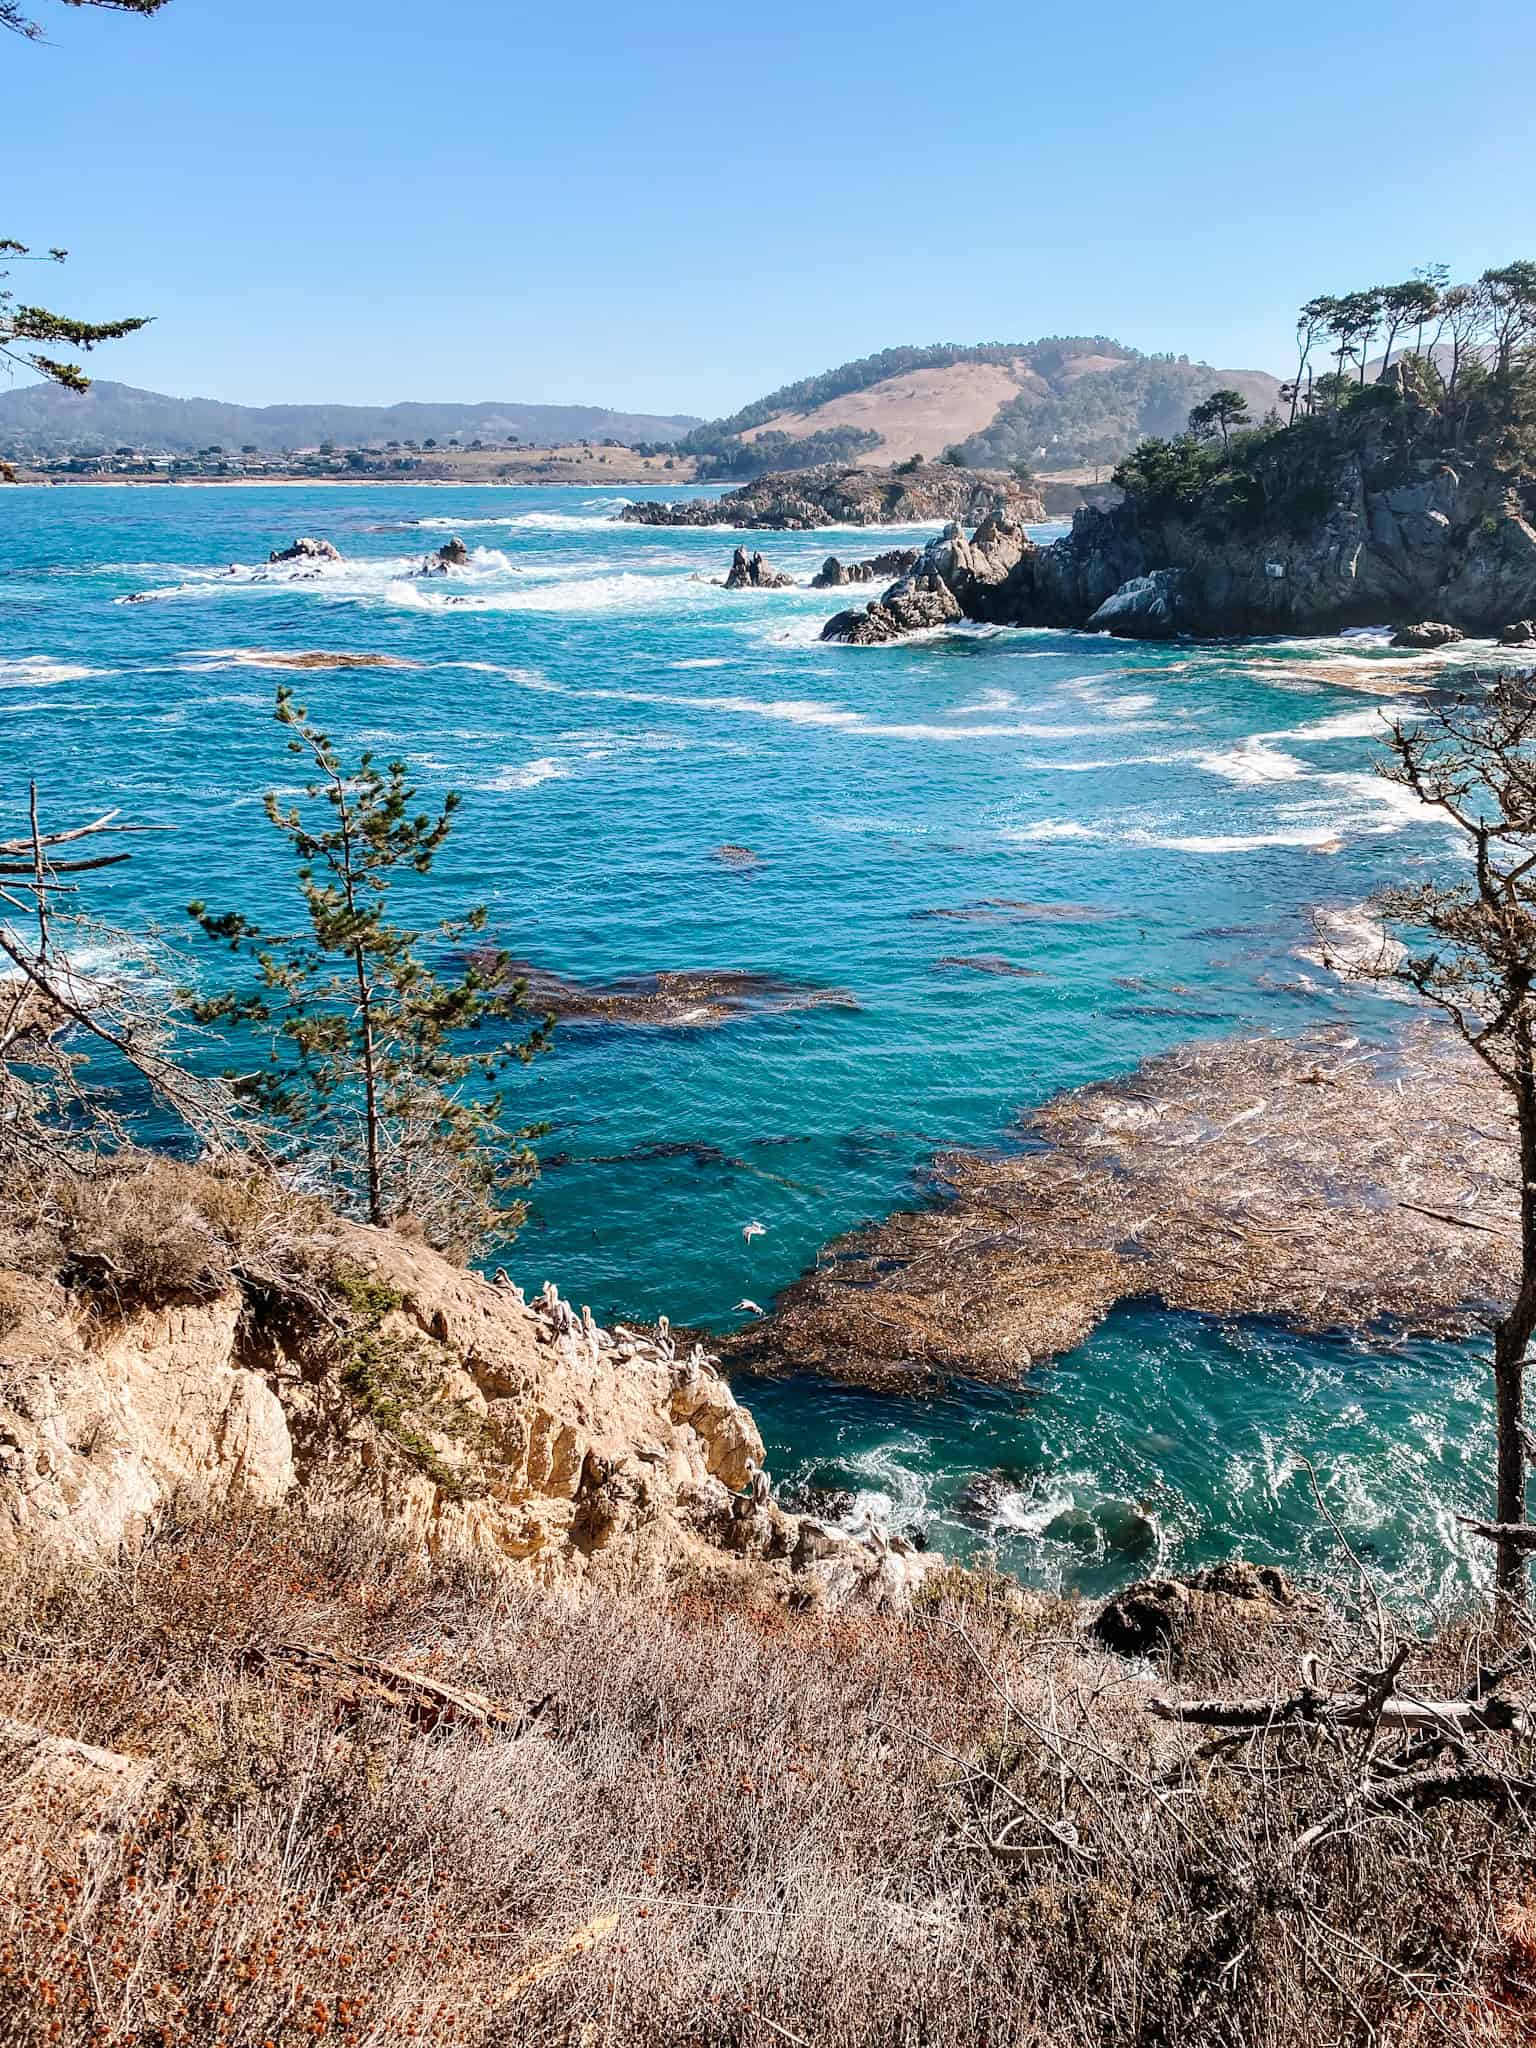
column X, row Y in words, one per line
column 833, row 574
column 458, row 1412
column 751, row 572
column 1308, row 1179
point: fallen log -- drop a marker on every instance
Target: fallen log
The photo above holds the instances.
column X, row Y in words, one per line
column 353, row 1683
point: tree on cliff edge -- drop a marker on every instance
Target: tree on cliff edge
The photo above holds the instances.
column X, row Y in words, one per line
column 1475, row 762
column 1219, row 414
column 369, row 1060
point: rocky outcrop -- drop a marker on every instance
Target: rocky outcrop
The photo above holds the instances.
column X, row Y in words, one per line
column 306, row 549
column 1427, row 635
column 460, row 1413
column 799, row 500
column 453, row 554
column 833, row 574
column 1518, row 633
column 1225, row 1616
column 944, row 585
column 751, row 572
column 1352, row 526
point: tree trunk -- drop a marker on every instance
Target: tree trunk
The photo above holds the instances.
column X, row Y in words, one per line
column 1511, row 1339
column 370, row 1092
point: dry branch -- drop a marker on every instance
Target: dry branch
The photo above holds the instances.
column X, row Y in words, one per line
column 353, row 1683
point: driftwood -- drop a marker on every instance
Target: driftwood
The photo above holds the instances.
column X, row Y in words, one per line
column 353, row 1683
column 1392, row 1716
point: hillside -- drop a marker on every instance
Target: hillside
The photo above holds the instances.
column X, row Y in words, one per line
column 1054, row 404
column 42, row 419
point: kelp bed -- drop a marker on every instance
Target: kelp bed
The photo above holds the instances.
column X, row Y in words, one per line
column 1311, row 1179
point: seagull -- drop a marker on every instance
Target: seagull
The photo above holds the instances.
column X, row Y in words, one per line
column 752, row 1230
column 752, row 1307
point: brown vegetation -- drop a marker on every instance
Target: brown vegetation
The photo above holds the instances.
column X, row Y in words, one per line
column 1309, row 1179
column 729, row 1825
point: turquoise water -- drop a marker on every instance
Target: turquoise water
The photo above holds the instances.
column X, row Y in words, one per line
column 612, row 720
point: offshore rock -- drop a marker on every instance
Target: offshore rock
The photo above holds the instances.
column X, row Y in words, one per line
column 1427, row 635
column 751, row 572
column 798, row 500
column 833, row 574
column 1518, row 633
column 306, row 549
column 948, row 578
column 453, row 554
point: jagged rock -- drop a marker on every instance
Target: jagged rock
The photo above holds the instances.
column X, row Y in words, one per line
column 836, row 494
column 918, row 602
column 519, row 1431
column 453, row 554
column 1145, row 608
column 943, row 584
column 1427, row 634
column 751, row 572
column 1199, row 1620
column 1519, row 633
column 833, row 574
column 306, row 549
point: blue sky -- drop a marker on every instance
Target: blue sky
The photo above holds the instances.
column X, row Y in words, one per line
column 676, row 208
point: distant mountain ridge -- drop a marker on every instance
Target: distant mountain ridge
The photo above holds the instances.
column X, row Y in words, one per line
column 43, row 420
column 1056, row 403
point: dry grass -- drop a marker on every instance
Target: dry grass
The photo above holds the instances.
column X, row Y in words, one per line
column 142, row 1228
column 732, row 1826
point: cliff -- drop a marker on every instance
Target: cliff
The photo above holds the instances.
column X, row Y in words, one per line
column 835, row 495
column 1367, row 518
column 197, row 1345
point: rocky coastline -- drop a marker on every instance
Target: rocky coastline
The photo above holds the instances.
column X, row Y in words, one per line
column 1371, row 522
column 838, row 495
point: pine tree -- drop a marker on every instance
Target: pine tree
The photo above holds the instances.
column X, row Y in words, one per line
column 368, row 1064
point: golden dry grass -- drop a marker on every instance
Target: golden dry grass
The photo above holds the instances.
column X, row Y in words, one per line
column 732, row 1825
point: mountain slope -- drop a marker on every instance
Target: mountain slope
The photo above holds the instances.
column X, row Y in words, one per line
column 42, row 419
column 1054, row 403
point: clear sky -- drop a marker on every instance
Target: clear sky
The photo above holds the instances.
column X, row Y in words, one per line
column 678, row 207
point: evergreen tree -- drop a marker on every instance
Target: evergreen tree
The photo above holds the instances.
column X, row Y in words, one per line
column 368, row 1063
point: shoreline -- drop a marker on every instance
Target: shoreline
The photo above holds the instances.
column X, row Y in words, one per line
column 330, row 483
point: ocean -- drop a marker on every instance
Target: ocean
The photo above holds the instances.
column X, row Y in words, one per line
column 614, row 719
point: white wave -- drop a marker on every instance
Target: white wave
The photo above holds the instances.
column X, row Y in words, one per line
column 1051, row 828
column 1252, row 762
column 701, row 661
column 989, row 700
column 1350, row 938
column 1345, row 725
column 530, row 522
column 1128, row 707
column 33, row 671
column 529, row 775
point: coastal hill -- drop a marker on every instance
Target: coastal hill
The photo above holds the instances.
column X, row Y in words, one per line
column 1055, row 404
column 1409, row 501
column 44, row 419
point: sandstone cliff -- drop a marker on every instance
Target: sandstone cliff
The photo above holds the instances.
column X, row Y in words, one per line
column 381, row 1376
column 839, row 495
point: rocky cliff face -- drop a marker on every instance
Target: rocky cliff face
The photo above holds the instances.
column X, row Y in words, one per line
column 1323, row 535
column 445, row 1403
column 835, row 495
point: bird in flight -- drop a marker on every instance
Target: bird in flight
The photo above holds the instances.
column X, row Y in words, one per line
column 752, row 1307
column 753, row 1229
